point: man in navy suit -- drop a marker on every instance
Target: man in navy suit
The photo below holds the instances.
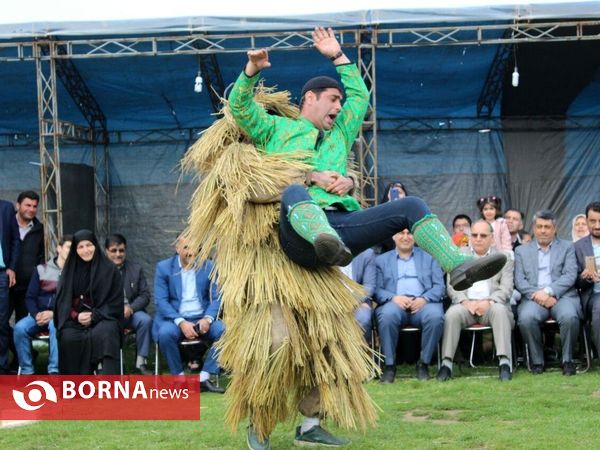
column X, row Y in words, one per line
column 545, row 274
column 588, row 280
column 362, row 270
column 409, row 291
column 9, row 251
column 187, row 306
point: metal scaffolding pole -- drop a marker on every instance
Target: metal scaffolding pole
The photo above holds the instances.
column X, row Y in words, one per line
column 49, row 146
column 367, row 138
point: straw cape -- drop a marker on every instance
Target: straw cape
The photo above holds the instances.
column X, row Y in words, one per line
column 288, row 330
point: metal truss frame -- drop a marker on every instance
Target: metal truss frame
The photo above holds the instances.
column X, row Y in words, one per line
column 366, row 41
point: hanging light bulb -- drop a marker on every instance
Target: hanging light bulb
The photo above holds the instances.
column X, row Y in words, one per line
column 515, row 77
column 198, row 83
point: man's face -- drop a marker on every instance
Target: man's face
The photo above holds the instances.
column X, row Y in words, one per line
column 27, row 209
column 481, row 238
column 62, row 251
column 404, row 241
column 322, row 108
column 184, row 252
column 544, row 231
column 117, row 253
column 593, row 222
column 514, row 221
column 461, row 225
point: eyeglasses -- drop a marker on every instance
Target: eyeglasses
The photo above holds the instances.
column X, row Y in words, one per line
column 479, row 235
column 116, row 250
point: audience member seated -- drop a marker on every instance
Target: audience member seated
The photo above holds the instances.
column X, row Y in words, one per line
column 491, row 211
column 362, row 270
column 514, row 222
column 40, row 304
column 187, row 306
column 88, row 310
column 137, row 298
column 409, row 290
column 579, row 227
column 486, row 302
column 587, row 252
column 461, row 230
column 545, row 275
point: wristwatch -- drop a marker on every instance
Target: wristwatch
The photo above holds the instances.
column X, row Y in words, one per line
column 337, row 55
column 548, row 290
column 209, row 319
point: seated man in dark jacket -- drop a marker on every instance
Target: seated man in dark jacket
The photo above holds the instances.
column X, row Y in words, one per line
column 40, row 303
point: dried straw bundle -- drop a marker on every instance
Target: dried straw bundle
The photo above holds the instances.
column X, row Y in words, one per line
column 288, row 329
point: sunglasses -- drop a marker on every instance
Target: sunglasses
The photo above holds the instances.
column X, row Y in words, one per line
column 116, row 250
column 479, row 235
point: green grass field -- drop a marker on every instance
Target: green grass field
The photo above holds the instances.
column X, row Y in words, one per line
column 472, row 411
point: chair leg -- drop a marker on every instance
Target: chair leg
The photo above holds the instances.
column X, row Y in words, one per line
column 156, row 359
column 588, row 353
column 472, row 350
column 121, row 359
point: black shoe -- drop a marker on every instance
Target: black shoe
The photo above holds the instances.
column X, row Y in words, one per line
column 569, row 368
column 332, row 251
column 208, row 386
column 143, row 370
column 444, row 374
column 422, row 371
column 476, row 269
column 388, row 375
column 537, row 369
column 504, row 372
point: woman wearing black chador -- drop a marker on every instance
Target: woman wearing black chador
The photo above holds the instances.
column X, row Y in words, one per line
column 88, row 310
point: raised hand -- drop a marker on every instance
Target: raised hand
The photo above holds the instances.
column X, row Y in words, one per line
column 325, row 41
column 257, row 61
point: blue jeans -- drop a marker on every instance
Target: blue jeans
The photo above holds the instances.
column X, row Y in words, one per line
column 4, row 320
column 359, row 230
column 25, row 330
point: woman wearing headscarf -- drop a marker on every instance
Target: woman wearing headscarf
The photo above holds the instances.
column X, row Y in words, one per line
column 88, row 310
column 579, row 227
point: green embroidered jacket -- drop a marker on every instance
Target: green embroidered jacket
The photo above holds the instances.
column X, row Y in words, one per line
column 280, row 134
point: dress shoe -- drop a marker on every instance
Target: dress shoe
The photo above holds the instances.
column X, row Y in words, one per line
column 537, row 369
column 504, row 372
column 473, row 270
column 422, row 371
column 208, row 386
column 388, row 375
column 569, row 368
column 444, row 374
column 143, row 370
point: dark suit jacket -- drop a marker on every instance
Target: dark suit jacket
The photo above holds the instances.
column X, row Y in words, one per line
column 563, row 271
column 135, row 286
column 583, row 248
column 167, row 290
column 363, row 270
column 9, row 234
column 429, row 274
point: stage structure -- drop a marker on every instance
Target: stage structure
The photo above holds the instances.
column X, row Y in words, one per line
column 54, row 58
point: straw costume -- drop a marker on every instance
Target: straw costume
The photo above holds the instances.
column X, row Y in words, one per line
column 291, row 337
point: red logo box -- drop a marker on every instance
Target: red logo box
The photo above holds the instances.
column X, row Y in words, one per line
column 63, row 397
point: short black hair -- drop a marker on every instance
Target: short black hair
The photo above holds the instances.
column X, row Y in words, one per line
column 545, row 214
column 32, row 195
column 594, row 206
column 461, row 216
column 516, row 210
column 65, row 238
column 115, row 239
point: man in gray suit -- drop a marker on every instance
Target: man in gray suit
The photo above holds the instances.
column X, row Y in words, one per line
column 487, row 302
column 587, row 252
column 362, row 270
column 409, row 291
column 545, row 274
